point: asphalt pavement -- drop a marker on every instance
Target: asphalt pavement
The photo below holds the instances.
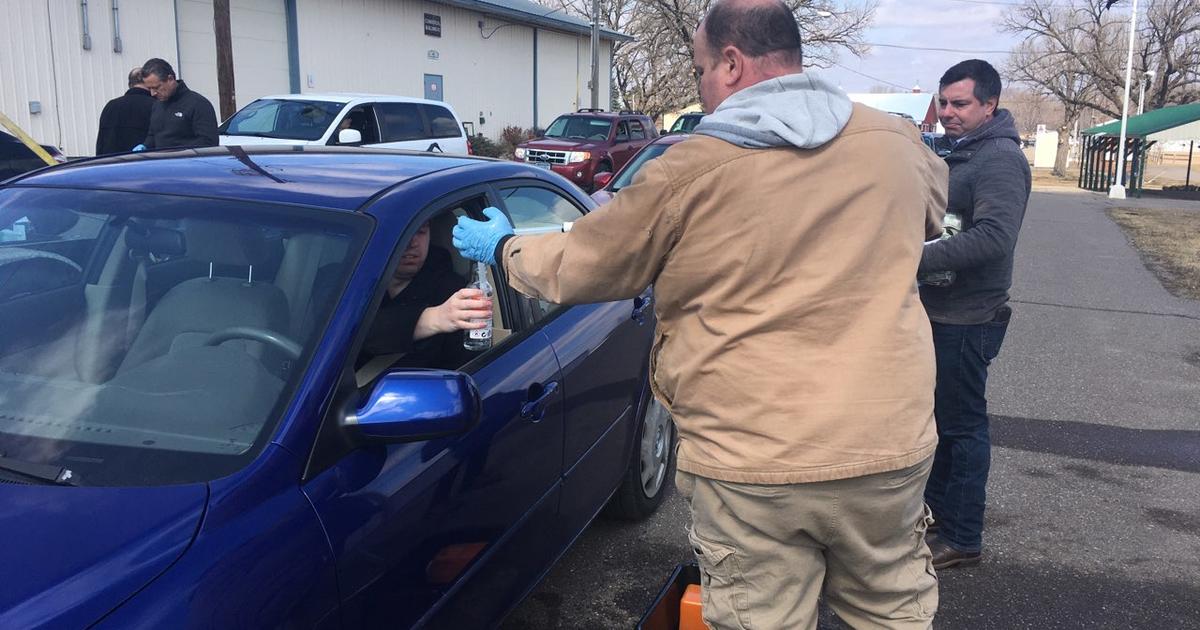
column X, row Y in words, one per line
column 1094, row 497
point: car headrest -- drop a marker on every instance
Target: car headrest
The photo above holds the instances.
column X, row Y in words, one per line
column 157, row 241
column 225, row 243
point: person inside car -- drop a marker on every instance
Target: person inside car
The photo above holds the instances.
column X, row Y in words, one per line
column 424, row 311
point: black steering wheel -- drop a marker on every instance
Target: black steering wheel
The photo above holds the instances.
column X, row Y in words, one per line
column 261, row 335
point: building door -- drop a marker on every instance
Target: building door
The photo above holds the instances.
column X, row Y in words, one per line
column 433, row 87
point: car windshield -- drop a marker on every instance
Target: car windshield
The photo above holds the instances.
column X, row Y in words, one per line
column 579, row 128
column 283, row 118
column 685, row 124
column 154, row 339
column 626, row 177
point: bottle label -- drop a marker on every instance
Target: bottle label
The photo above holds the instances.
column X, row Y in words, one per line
column 482, row 333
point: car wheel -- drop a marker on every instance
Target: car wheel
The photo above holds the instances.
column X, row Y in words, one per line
column 649, row 473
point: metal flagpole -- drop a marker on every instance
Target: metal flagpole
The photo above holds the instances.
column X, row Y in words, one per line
column 1118, row 189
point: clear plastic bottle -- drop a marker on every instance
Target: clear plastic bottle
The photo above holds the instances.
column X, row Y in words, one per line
column 480, row 339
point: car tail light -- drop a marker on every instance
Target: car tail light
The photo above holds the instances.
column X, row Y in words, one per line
column 470, row 149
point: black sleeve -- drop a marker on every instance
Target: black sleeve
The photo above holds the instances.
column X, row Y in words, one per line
column 1000, row 198
column 104, row 137
column 394, row 325
column 204, row 124
column 392, row 330
column 154, row 116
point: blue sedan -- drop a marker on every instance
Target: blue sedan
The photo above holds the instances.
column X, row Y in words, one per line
column 192, row 437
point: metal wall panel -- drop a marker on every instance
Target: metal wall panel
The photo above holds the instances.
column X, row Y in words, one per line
column 42, row 59
column 260, row 63
column 380, row 46
column 345, row 45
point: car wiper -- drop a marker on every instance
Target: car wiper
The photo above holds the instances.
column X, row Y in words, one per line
column 46, row 473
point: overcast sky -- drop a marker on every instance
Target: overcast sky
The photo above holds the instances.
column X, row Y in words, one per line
column 968, row 25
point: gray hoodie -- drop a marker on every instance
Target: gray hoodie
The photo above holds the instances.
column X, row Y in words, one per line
column 800, row 110
column 989, row 188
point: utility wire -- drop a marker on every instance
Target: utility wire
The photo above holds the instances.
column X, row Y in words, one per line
column 955, row 50
column 863, row 74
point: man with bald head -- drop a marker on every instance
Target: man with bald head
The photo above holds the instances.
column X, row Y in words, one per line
column 792, row 350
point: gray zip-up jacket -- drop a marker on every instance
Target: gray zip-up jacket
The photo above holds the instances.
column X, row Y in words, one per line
column 989, row 189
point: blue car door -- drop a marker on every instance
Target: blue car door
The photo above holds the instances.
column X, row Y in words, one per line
column 602, row 350
column 415, row 525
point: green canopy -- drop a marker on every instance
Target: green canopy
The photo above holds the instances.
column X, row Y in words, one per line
column 1181, row 122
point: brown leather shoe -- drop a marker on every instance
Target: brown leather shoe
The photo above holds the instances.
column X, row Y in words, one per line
column 945, row 556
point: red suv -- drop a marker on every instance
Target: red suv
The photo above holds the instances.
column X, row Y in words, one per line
column 590, row 141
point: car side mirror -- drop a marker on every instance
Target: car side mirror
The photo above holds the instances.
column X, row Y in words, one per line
column 662, row 132
column 349, row 136
column 412, row 405
column 601, row 179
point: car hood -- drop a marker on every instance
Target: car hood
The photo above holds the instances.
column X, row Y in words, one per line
column 227, row 140
column 71, row 555
column 560, row 144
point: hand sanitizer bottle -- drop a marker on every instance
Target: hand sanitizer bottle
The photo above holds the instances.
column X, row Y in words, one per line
column 480, row 339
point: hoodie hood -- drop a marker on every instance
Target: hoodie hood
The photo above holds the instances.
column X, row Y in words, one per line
column 800, row 110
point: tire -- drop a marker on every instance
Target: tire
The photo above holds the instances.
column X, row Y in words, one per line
column 650, row 468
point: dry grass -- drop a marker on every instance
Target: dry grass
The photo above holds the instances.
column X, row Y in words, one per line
column 1169, row 240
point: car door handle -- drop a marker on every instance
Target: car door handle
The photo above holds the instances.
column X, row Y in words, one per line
column 535, row 409
column 641, row 304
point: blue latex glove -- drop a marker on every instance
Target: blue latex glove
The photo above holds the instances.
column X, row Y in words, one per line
column 140, row 147
column 477, row 240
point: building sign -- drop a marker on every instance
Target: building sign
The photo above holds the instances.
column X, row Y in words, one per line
column 433, row 25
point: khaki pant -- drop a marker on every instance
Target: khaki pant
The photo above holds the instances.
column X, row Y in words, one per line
column 766, row 552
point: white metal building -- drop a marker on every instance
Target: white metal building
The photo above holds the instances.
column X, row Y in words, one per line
column 497, row 62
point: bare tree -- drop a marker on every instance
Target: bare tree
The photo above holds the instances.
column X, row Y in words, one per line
column 1074, row 51
column 653, row 73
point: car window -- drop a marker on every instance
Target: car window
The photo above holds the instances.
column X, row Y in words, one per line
column 283, row 118
column 441, row 122
column 637, row 131
column 623, row 132
column 534, row 208
column 442, row 272
column 625, row 177
column 363, row 119
column 579, row 128
column 400, row 122
column 172, row 358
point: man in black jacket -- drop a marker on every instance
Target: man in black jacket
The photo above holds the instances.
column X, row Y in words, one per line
column 181, row 118
column 125, row 120
column 989, row 189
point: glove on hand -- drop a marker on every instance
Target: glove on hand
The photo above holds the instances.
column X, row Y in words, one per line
column 477, row 240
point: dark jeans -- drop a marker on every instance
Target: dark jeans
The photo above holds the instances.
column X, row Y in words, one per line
column 957, row 488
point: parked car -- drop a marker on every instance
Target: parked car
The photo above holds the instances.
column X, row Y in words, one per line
column 16, row 158
column 935, row 143
column 687, row 122
column 590, row 141
column 392, row 122
column 188, row 438
column 608, row 184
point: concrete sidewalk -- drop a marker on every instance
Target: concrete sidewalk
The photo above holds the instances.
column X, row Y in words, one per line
column 1094, row 501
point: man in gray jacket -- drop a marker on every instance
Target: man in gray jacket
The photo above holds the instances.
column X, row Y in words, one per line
column 989, row 188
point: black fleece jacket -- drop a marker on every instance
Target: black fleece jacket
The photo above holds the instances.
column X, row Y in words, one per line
column 185, row 120
column 989, row 189
column 124, row 122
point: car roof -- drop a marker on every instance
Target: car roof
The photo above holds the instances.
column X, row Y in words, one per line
column 672, row 138
column 313, row 176
column 350, row 97
column 606, row 114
